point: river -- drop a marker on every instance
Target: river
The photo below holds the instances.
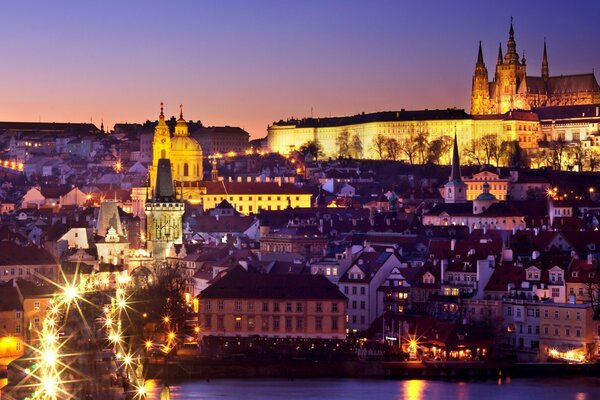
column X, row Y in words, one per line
column 354, row 389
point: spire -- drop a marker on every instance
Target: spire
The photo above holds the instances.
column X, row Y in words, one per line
column 162, row 114
column 545, row 71
column 480, row 55
column 523, row 58
column 500, row 54
column 164, row 181
column 181, row 128
column 511, row 56
column 455, row 173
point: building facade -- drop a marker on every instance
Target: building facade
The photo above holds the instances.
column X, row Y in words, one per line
column 271, row 305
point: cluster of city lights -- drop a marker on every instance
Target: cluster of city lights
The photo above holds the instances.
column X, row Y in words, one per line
column 128, row 361
column 50, row 374
column 16, row 166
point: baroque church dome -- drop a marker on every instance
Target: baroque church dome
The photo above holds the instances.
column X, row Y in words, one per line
column 186, row 153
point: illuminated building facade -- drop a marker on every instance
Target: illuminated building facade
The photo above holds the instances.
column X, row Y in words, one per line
column 513, row 89
column 243, row 304
column 566, row 330
column 286, row 136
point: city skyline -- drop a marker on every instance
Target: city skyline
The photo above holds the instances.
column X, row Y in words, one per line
column 249, row 65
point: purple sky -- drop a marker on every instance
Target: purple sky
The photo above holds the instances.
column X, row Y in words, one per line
column 249, row 63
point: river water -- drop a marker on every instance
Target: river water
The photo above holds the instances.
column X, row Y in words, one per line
column 354, row 389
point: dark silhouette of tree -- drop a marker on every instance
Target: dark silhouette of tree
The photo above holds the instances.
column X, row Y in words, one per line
column 379, row 145
column 356, row 147
column 313, row 147
column 438, row 148
column 392, row 148
column 342, row 143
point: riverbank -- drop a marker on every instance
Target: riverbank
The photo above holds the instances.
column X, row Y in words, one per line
column 304, row 369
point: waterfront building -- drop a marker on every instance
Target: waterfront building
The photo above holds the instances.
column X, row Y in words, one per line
column 513, row 89
column 567, row 331
column 243, row 304
column 360, row 283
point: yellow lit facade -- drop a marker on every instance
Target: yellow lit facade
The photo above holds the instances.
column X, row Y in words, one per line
column 566, row 330
column 284, row 137
column 11, row 334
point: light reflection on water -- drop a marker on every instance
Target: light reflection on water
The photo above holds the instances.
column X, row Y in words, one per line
column 354, row 389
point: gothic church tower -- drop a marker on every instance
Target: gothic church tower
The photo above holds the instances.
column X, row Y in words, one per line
column 480, row 96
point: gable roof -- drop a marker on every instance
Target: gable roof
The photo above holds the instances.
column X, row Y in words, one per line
column 239, row 284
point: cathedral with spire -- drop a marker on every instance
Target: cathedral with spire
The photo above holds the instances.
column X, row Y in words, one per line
column 512, row 89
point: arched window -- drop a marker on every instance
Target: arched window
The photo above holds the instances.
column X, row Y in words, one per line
column 163, row 153
column 186, row 171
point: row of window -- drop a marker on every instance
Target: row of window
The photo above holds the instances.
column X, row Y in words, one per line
column 26, row 271
column 241, row 198
column 567, row 331
column 288, row 307
column 567, row 315
column 250, row 323
column 355, row 290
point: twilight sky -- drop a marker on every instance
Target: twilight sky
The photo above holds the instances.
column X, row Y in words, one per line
column 249, row 63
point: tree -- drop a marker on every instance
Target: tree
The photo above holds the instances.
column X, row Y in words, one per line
column 593, row 289
column 593, row 159
column 471, row 153
column 512, row 155
column 356, row 147
column 421, row 143
column 164, row 297
column 577, row 156
column 557, row 151
column 490, row 149
column 392, row 148
column 342, row 144
column 379, row 145
column 438, row 148
column 313, row 147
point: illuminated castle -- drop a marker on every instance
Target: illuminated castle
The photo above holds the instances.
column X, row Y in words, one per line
column 513, row 89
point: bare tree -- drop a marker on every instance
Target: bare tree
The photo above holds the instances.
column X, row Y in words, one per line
column 593, row 159
column 593, row 289
column 392, row 148
column 577, row 155
column 557, row 150
column 472, row 153
column 356, row 147
column 438, row 148
column 409, row 147
column 421, row 143
column 342, row 142
column 379, row 145
column 490, row 150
